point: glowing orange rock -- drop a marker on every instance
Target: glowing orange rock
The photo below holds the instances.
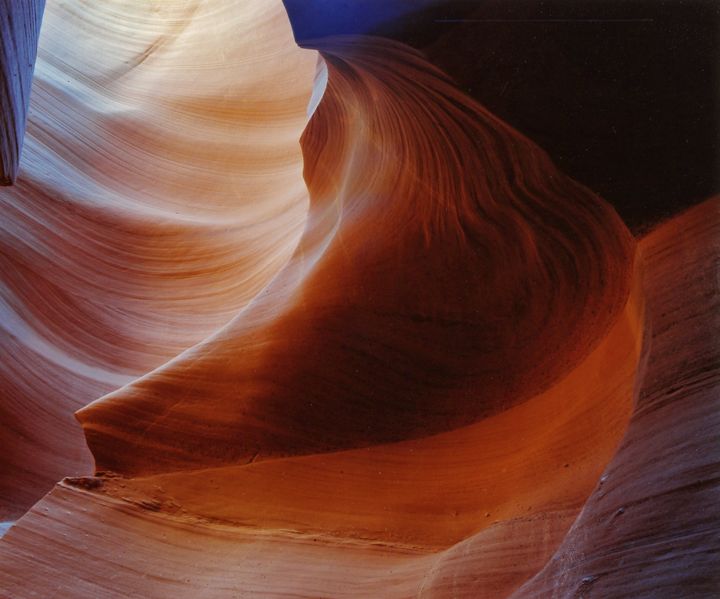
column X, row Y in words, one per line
column 447, row 272
column 455, row 375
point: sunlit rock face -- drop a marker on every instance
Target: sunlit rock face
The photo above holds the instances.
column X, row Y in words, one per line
column 332, row 329
column 161, row 188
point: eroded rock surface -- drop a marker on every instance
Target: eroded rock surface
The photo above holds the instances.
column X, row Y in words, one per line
column 332, row 329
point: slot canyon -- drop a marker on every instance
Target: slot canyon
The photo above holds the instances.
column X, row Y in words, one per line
column 359, row 299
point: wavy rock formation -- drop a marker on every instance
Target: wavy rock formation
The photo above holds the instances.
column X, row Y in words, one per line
column 447, row 271
column 154, row 202
column 437, row 368
column 165, row 536
column 650, row 528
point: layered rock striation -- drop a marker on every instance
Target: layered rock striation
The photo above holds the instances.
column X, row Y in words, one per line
column 332, row 329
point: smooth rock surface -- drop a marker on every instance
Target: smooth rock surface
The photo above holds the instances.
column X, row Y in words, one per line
column 161, row 190
column 332, row 329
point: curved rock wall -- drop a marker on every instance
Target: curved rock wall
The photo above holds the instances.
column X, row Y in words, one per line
column 332, row 329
